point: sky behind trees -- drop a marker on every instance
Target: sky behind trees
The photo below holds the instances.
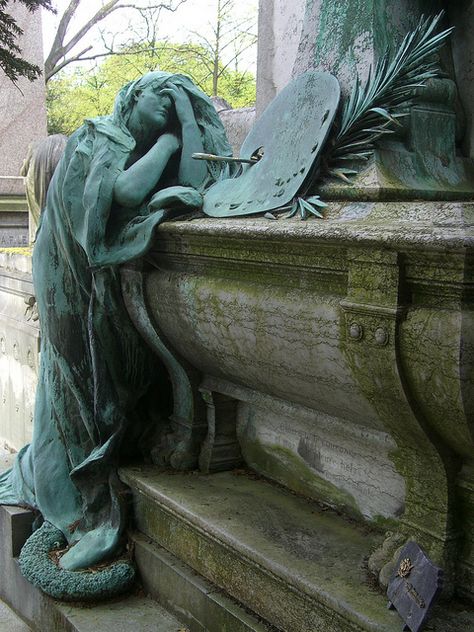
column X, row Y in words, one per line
column 191, row 18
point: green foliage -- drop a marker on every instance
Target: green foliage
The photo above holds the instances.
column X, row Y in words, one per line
column 372, row 110
column 72, row 97
column 11, row 62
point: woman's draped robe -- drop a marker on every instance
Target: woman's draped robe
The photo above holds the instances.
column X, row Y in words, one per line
column 95, row 369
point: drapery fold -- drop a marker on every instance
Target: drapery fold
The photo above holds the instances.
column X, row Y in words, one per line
column 95, row 369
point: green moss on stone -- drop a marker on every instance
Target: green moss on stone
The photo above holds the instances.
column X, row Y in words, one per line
column 283, row 466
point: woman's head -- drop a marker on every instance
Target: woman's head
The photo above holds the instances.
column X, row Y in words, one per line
column 145, row 109
column 144, row 97
column 133, row 94
column 153, row 111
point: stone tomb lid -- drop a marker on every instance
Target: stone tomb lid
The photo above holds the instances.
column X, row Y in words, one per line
column 414, row 587
column 291, row 131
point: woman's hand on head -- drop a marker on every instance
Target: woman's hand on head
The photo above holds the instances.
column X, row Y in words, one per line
column 182, row 103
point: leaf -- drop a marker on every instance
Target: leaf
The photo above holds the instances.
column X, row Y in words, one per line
column 347, row 172
column 378, row 131
column 385, row 114
column 291, row 212
column 302, row 209
column 315, row 199
column 359, row 156
column 337, row 173
column 310, row 208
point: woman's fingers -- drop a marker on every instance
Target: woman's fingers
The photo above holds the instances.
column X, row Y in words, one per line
column 182, row 103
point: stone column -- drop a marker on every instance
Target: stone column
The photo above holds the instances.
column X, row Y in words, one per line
column 279, row 29
column 23, row 106
column 461, row 14
column 23, row 120
column 346, row 38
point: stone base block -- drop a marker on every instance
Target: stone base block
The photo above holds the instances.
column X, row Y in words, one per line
column 13, row 217
column 137, row 613
column 198, row 603
column 10, row 622
column 19, row 346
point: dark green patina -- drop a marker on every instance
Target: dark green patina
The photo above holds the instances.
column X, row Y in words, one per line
column 118, row 175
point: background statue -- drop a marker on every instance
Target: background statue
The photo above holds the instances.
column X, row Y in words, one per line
column 38, row 168
column 96, row 372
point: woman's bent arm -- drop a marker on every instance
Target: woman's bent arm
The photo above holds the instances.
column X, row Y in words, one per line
column 135, row 183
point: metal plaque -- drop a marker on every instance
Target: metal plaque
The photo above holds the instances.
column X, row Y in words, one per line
column 287, row 139
column 414, row 587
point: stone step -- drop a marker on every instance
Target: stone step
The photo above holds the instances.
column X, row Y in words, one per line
column 298, row 567
column 199, row 604
column 135, row 613
column 131, row 614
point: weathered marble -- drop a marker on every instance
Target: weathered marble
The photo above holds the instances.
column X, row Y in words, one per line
column 237, row 124
column 342, row 342
column 14, row 217
column 461, row 15
column 297, row 565
column 279, row 29
column 19, row 347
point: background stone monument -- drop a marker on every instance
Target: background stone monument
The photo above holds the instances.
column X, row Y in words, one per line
column 280, row 25
column 23, row 120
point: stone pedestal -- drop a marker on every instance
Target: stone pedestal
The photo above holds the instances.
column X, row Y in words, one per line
column 345, row 346
column 23, row 120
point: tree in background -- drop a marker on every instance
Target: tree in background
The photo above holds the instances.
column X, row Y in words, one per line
column 228, row 33
column 11, row 61
column 72, row 97
column 213, row 61
column 64, row 43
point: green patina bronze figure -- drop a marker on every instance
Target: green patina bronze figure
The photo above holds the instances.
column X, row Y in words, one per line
column 96, row 371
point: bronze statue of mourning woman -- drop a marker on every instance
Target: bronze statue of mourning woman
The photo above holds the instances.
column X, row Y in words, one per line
column 120, row 176
column 107, row 196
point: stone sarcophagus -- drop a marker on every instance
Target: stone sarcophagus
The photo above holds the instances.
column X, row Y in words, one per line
column 333, row 356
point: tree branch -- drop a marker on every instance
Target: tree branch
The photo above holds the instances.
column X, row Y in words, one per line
column 60, row 49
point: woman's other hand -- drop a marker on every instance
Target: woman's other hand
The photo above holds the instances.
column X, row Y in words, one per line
column 134, row 184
